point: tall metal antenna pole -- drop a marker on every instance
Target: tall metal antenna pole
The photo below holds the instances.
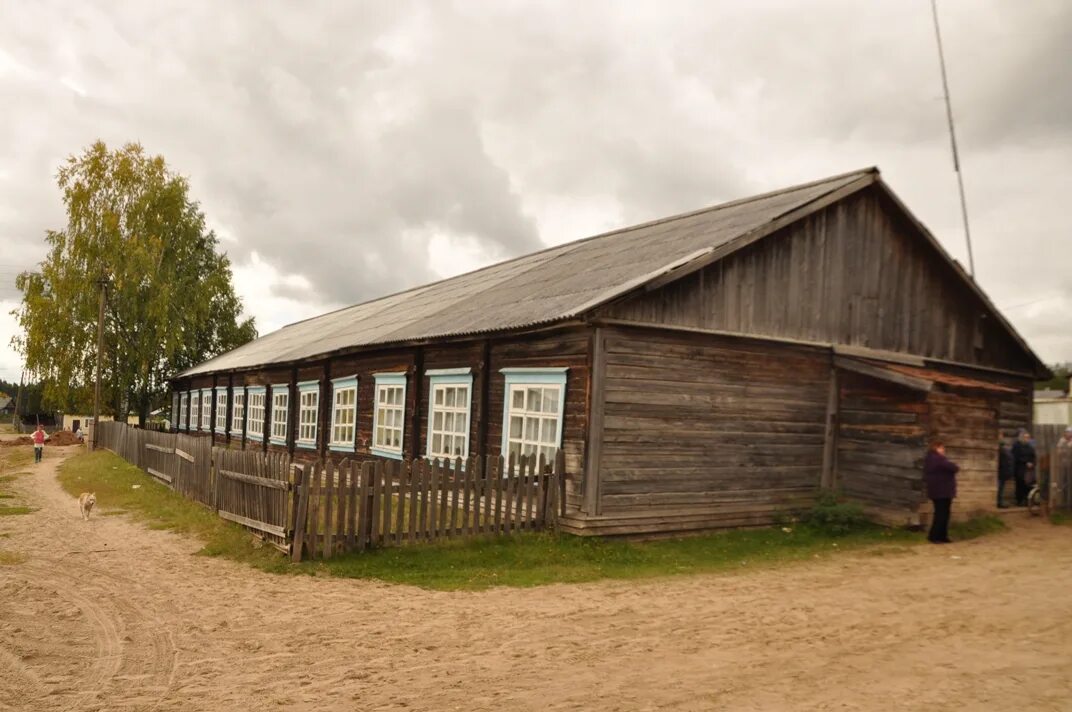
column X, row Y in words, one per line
column 953, row 140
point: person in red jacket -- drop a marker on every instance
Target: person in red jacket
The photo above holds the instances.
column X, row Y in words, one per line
column 940, row 477
column 39, row 438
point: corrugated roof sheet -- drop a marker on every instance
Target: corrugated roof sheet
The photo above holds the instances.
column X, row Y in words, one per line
column 947, row 379
column 552, row 285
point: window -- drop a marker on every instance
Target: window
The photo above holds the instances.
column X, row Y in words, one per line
column 238, row 411
column 255, row 416
column 450, row 394
column 195, row 409
column 308, row 406
column 388, row 414
column 184, row 415
column 280, row 412
column 221, row 410
column 343, row 414
column 206, row 409
column 532, row 418
column 175, row 412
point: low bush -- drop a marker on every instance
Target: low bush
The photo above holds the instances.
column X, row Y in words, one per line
column 835, row 517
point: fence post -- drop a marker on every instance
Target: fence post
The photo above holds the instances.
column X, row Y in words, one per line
column 301, row 508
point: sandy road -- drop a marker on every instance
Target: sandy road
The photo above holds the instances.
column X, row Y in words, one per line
column 109, row 615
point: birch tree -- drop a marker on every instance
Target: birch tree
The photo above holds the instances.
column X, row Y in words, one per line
column 170, row 299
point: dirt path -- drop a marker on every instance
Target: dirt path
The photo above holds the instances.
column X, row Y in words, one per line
column 108, row 615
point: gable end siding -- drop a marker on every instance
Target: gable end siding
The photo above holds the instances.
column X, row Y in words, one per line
column 856, row 273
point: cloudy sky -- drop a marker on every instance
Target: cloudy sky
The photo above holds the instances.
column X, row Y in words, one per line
column 344, row 150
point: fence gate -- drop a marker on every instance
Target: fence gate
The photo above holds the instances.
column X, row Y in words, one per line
column 253, row 489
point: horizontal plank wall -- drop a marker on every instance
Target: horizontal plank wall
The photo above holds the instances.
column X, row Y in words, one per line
column 882, row 437
column 484, row 358
column 554, row 349
column 703, row 432
column 968, row 425
column 856, row 273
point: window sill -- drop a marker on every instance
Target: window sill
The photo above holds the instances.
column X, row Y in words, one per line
column 278, row 441
column 342, row 448
column 393, row 454
column 305, row 445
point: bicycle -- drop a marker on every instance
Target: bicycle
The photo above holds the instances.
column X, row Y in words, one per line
column 1034, row 499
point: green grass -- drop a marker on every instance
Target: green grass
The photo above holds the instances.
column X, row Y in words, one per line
column 1061, row 518
column 540, row 558
column 112, row 479
column 976, row 527
column 529, row 559
column 12, row 458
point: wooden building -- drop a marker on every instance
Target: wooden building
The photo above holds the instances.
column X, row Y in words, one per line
column 716, row 368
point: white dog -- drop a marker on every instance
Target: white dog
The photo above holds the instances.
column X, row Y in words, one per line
column 86, row 500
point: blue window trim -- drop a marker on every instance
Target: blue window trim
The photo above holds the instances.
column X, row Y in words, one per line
column 534, row 377
column 338, row 384
column 276, row 388
column 212, row 402
column 394, row 378
column 443, row 376
column 235, row 390
column 226, row 402
column 308, row 387
column 196, row 425
column 252, row 391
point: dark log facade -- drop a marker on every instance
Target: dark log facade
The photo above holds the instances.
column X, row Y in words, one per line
column 733, row 393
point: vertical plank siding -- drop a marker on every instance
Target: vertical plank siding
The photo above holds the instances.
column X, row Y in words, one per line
column 856, row 273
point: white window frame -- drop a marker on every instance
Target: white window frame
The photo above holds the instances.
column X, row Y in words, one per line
column 175, row 409
column 195, row 410
column 184, row 411
column 523, row 378
column 308, row 405
column 238, row 411
column 280, row 391
column 441, row 380
column 221, row 414
column 206, row 413
column 252, row 394
column 384, row 383
column 340, row 386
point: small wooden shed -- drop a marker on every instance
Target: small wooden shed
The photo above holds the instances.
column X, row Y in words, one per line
column 711, row 369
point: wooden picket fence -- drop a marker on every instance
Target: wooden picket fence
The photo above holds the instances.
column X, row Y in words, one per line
column 353, row 506
column 1054, row 466
column 320, row 509
column 255, row 490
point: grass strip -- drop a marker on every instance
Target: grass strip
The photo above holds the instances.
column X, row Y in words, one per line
column 528, row 559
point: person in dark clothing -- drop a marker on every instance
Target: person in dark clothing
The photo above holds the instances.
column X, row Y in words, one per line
column 940, row 477
column 1023, row 456
column 1006, row 468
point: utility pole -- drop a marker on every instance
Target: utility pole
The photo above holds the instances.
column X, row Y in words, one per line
column 18, row 398
column 103, row 284
column 953, row 140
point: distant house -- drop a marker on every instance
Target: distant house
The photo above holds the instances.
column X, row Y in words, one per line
column 1053, row 407
column 7, row 406
column 711, row 369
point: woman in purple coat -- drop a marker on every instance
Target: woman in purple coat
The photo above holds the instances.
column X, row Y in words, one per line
column 940, row 477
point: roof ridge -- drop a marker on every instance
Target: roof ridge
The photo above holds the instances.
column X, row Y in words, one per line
column 568, row 246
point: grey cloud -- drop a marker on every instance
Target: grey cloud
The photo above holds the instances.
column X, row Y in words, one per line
column 335, row 141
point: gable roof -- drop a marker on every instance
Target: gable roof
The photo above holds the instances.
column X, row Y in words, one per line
column 555, row 284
